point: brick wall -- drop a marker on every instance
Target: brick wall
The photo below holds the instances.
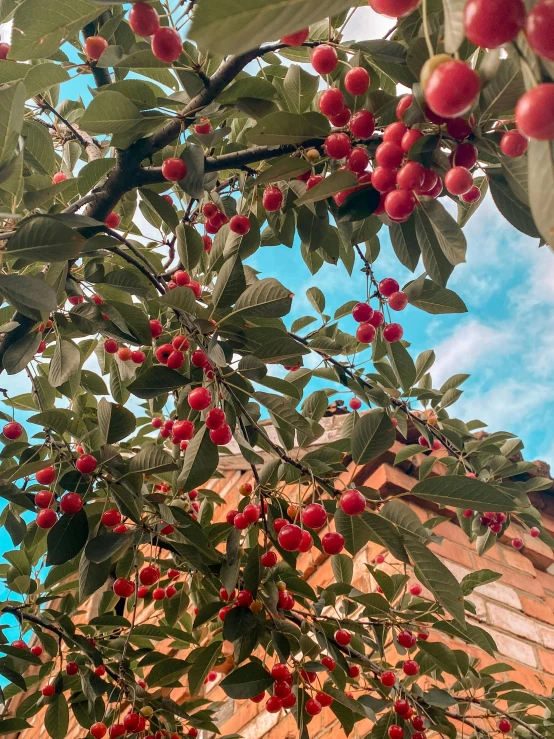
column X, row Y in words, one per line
column 517, row 610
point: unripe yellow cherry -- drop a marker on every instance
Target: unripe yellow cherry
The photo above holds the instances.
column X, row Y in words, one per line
column 146, row 711
column 281, row 585
column 256, row 606
column 312, row 155
column 430, row 66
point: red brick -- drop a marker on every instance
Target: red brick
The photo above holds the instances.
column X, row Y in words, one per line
column 453, row 551
column 547, row 661
column 538, row 609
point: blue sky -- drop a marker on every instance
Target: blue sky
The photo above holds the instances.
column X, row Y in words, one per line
column 505, row 341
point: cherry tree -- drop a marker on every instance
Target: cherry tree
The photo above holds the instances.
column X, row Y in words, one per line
column 266, row 125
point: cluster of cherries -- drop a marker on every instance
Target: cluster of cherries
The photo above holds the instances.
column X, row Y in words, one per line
column 495, row 521
column 148, row 576
column 214, row 219
column 370, row 319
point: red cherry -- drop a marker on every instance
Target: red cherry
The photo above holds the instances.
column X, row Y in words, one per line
column 324, row 59
column 538, row 28
column 535, row 532
column 331, row 102
column 251, row 513
column 460, row 128
column 356, row 81
column 395, row 731
column 377, row 319
column 418, row 723
column 175, row 360
column 357, row 160
column 407, row 639
column 272, row 199
column 273, row 704
column 314, row 516
column 215, row 418
column 46, row 518
column 401, row 706
column 517, row 543
column 138, row 357
column 403, row 105
column 388, row 286
column 464, row 155
column 94, row 47
column 379, row 558
column 49, row 691
column 244, row 599
column 389, row 155
column 240, row 224
column 59, row 177
column 398, row 300
column 75, row 299
column 124, row 353
column 394, row 8
column 362, row 124
column 111, row 518
column 491, row 23
column 279, row 523
column 199, row 398
column 258, row 698
column 415, row 588
column 72, row 668
column 410, row 176
column 240, row 522
column 99, row 729
column 313, row 707
column 353, row 671
column 12, row 430
column 71, row 503
column 131, row 722
column 167, row 529
column 410, row 667
column 337, row 145
column 156, row 328
column 158, row 594
column 143, row 19
column 123, row 588
column 393, row 332
column 458, row 180
column 111, row 346
column 290, row 537
column 342, row 118
column 280, row 671
column 352, row 502
column 19, row 644
column 37, row 650
column 343, row 637
column 222, row 435
column 365, row 333
column 504, row 725
column 163, row 353
column 208, row 243
column 4, row 50
column 452, row 89
column 307, row 542
column 181, row 277
column 203, row 127
column 100, row 671
column 166, row 44
column 383, row 179
column 296, row 39
column 113, row 220
column 409, row 139
column 174, row 169
column 400, row 204
column 395, row 132
column 46, row 476
column 149, row 575
column 268, row 559
column 513, row 144
column 329, row 663
column 362, row 312
column 86, row 464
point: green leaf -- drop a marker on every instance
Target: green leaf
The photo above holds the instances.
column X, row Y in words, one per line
column 230, row 283
column 372, row 435
column 300, row 88
column 204, row 659
column 343, row 568
column 105, row 546
column 12, row 107
column 501, row 94
column 479, row 577
column 66, row 539
column 152, row 459
column 453, row 25
column 402, row 364
column 284, row 168
column 511, row 207
column 264, row 299
column 337, row 181
column 167, row 672
column 180, row 298
column 238, row 622
column 405, row 244
column 541, row 187
column 434, row 299
column 56, row 718
column 29, row 295
column 65, row 362
column 13, row 725
column 43, row 76
column 355, row 531
column 464, row 492
column 201, row 458
column 288, row 128
column 435, row 576
column 247, row 681
column 190, row 246
column 44, row 239
column 156, row 380
column 41, row 26
column 110, row 112
column 92, row 172
column 39, row 148
column 448, row 234
column 92, row 576
column 19, row 354
column 247, row 87
column 238, row 26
